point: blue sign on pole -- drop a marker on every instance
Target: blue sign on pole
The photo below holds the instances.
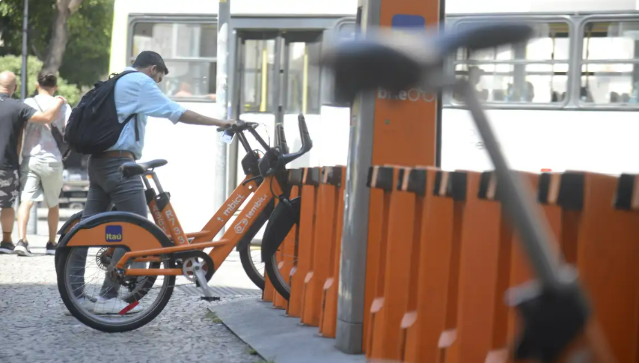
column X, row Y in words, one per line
column 408, row 21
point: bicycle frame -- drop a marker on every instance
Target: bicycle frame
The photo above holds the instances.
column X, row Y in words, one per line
column 159, row 205
column 148, row 241
column 262, row 191
column 261, row 197
column 210, row 230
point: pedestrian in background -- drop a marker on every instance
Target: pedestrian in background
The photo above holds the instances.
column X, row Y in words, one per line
column 42, row 166
column 13, row 117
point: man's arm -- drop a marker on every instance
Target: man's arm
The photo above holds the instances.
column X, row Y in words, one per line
column 152, row 102
column 20, row 139
column 193, row 118
column 49, row 115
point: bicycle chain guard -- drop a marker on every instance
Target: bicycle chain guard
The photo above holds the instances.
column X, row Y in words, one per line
column 208, row 262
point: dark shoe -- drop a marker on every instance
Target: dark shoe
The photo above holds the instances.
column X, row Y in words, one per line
column 7, row 247
column 22, row 248
column 51, row 248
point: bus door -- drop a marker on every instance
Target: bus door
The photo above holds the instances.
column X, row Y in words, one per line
column 277, row 78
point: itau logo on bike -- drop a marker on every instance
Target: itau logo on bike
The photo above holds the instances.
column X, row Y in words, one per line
column 113, row 233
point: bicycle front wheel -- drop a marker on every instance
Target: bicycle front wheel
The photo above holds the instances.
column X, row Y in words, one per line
column 284, row 217
column 251, row 259
column 251, row 256
column 104, row 306
column 277, row 279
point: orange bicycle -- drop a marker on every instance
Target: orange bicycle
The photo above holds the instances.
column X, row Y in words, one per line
column 163, row 249
column 253, row 269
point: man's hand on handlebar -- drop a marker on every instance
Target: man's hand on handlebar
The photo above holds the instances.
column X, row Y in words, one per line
column 236, row 126
column 226, row 123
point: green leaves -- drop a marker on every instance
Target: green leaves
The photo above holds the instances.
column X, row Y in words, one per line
column 86, row 59
column 13, row 63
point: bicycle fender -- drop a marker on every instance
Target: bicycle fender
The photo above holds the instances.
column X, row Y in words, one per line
column 116, row 229
column 279, row 225
column 70, row 222
column 66, row 227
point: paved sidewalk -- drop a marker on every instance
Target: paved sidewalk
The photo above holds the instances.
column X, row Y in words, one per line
column 279, row 337
column 35, row 329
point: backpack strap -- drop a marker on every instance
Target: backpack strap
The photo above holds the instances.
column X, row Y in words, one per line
column 135, row 115
column 121, row 74
column 137, row 131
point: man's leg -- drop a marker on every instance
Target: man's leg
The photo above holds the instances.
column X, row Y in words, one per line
column 54, row 220
column 9, row 186
column 31, row 190
column 23, row 219
column 97, row 202
column 30, row 186
column 51, row 182
column 127, row 194
column 8, row 217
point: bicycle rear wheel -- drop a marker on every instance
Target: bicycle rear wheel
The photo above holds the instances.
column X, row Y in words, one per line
column 136, row 289
column 79, row 283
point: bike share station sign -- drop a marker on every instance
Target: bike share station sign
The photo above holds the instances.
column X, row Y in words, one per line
column 387, row 129
column 405, row 121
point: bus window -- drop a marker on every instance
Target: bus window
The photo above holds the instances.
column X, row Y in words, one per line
column 189, row 51
column 303, row 78
column 610, row 63
column 536, row 72
column 259, row 75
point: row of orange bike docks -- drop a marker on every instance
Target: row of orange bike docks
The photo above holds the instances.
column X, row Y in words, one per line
column 442, row 256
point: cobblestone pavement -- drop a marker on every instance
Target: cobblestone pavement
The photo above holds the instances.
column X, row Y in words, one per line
column 35, row 328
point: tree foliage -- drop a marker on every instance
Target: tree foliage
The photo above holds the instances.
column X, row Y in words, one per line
column 86, row 58
column 13, row 63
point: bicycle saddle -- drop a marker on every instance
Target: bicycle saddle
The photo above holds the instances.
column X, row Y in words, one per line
column 397, row 60
column 132, row 168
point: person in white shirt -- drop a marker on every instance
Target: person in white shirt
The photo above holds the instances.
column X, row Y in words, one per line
column 41, row 168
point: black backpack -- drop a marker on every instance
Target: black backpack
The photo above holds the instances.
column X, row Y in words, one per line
column 93, row 126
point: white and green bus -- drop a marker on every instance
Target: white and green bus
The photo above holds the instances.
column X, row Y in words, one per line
column 566, row 100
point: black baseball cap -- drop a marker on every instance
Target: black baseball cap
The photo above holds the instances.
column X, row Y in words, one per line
column 149, row 58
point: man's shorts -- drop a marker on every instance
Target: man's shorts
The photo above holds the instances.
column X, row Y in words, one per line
column 41, row 176
column 9, row 187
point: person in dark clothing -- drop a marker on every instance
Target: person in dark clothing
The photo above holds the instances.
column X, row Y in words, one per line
column 14, row 115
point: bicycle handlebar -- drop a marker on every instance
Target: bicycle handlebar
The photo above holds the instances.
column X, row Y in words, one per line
column 281, row 138
column 307, row 143
column 285, row 157
column 239, row 126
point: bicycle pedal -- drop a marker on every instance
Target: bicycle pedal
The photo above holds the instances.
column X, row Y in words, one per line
column 210, row 298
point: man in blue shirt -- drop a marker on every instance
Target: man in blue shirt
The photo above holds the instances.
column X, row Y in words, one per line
column 135, row 93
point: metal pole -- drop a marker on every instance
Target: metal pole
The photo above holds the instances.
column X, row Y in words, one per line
column 222, row 100
column 350, row 303
column 25, row 28
column 232, row 153
column 32, row 226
